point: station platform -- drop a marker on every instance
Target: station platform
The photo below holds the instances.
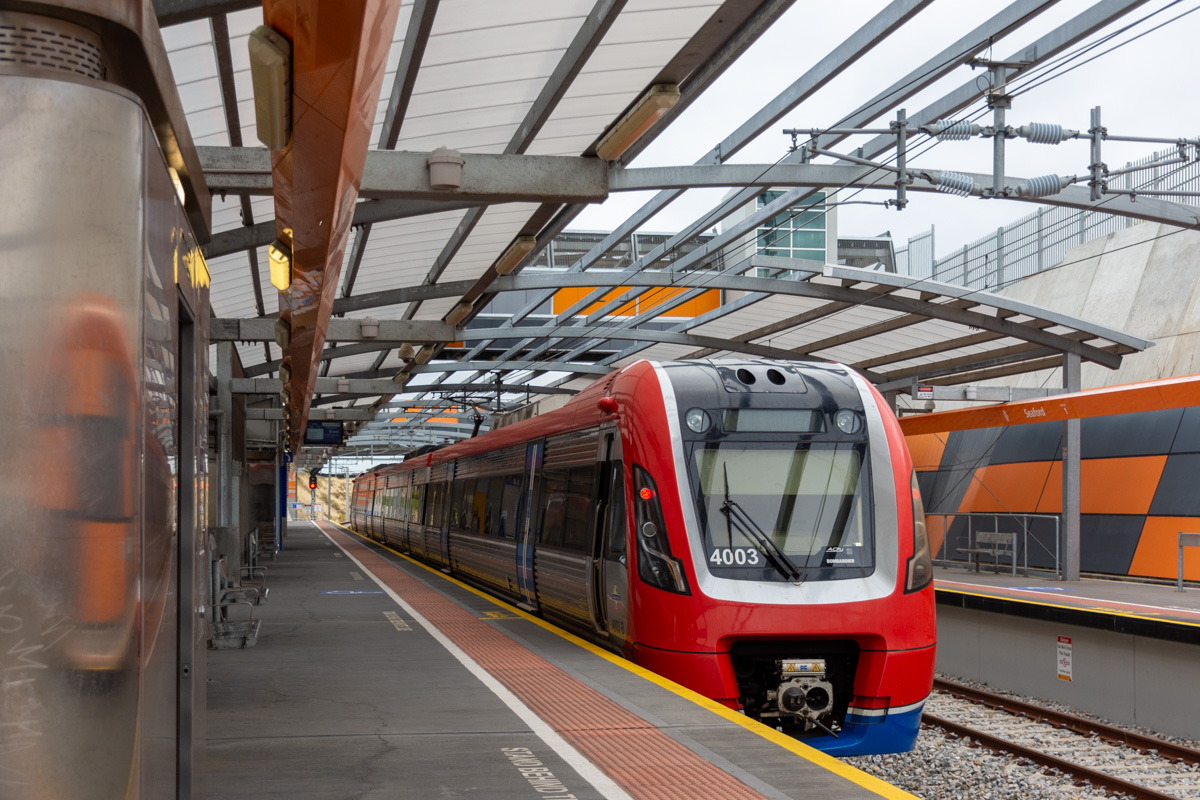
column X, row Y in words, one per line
column 377, row 677
column 1152, row 610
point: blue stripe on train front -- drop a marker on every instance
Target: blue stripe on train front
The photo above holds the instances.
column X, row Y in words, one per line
column 870, row 731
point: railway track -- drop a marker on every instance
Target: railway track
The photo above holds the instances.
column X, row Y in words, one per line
column 1106, row 757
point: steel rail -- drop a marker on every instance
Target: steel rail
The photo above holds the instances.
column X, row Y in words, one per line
column 1077, row 771
column 1071, row 722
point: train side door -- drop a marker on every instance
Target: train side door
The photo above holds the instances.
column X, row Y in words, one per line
column 445, row 516
column 528, row 516
column 615, row 568
column 607, row 576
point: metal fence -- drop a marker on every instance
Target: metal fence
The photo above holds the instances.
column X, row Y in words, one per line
column 1040, row 241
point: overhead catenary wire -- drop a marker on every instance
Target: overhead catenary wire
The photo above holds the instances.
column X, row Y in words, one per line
column 777, row 230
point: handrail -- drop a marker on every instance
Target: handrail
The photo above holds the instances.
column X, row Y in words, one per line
column 1185, row 540
column 1024, row 533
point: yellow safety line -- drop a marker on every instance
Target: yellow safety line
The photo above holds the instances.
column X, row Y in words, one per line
column 1092, row 609
column 827, row 762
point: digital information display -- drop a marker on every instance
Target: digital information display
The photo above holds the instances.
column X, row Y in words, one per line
column 774, row 420
column 323, row 433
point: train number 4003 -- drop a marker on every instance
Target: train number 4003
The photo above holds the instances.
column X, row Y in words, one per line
column 734, row 557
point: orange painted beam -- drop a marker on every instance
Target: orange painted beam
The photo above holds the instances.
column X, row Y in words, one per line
column 339, row 54
column 1127, row 399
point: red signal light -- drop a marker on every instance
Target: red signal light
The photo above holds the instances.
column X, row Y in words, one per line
column 646, row 493
column 312, row 483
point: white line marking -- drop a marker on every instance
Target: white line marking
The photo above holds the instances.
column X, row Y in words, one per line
column 1061, row 597
column 586, row 769
column 356, row 575
column 398, row 623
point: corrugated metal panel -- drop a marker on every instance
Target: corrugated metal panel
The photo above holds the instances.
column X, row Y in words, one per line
column 500, row 462
column 571, row 449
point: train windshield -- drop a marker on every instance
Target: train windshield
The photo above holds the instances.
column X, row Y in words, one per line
column 784, row 512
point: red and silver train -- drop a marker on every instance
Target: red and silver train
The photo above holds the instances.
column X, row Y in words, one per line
column 749, row 529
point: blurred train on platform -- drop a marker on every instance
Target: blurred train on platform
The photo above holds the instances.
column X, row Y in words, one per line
column 750, row 529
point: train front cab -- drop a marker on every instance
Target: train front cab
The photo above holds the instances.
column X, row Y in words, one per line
column 826, row 630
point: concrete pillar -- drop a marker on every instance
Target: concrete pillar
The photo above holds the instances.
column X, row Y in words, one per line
column 1069, row 530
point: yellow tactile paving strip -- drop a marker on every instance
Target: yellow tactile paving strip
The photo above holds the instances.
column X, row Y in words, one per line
column 644, row 761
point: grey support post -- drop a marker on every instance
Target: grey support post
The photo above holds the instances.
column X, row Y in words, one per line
column 1070, row 475
column 226, row 477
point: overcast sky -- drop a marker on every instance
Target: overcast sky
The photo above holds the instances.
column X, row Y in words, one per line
column 1145, row 88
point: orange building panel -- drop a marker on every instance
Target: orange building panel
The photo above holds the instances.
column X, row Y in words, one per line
column 1157, row 552
column 1108, row 485
column 1008, row 488
column 710, row 300
column 926, row 450
column 936, row 526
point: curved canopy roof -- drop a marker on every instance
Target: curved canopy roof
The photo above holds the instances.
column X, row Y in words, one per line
column 526, row 92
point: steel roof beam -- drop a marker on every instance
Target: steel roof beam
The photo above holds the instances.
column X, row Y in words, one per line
column 420, row 23
column 263, row 233
column 603, row 14
column 853, row 176
column 942, row 64
column 709, row 280
column 404, row 175
column 339, row 330
column 233, row 122
column 891, row 302
column 1007, row 20
column 403, row 179
column 1040, row 51
column 929, row 350
column 173, row 12
column 376, row 388
column 342, row 414
column 718, row 52
column 857, row 45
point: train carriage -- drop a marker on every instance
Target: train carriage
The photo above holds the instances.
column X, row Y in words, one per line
column 749, row 529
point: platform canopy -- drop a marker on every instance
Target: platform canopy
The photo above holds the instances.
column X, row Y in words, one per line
column 548, row 104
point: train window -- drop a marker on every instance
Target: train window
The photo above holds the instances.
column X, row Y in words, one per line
column 456, row 503
column 806, row 505
column 436, row 505
column 554, row 500
column 509, row 503
column 414, row 503
column 478, row 505
column 614, row 534
column 577, row 527
column 495, row 491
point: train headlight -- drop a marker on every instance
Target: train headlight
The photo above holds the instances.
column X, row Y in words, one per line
column 698, row 420
column 847, row 421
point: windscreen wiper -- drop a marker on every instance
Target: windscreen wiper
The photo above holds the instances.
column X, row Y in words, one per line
column 740, row 521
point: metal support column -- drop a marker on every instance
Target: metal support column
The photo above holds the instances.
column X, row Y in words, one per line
column 226, row 474
column 1070, row 475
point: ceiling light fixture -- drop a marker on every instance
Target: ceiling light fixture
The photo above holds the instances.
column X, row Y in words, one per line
column 515, row 254
column 650, row 107
column 460, row 312
column 271, row 75
column 283, row 333
column 280, row 256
